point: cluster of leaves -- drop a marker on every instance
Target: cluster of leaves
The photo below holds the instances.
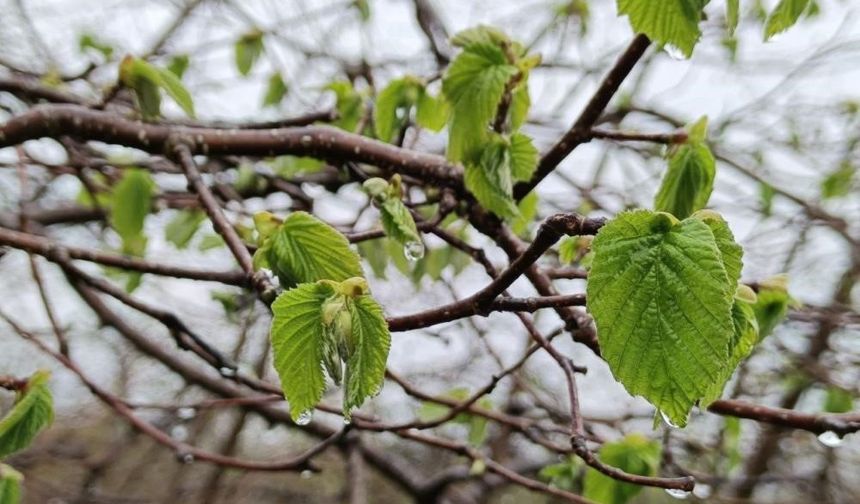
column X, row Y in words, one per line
column 673, row 321
column 490, row 77
column 326, row 322
column 633, row 454
column 676, row 23
column 32, row 412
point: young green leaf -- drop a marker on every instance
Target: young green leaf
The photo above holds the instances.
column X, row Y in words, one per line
column 431, row 112
column 10, row 485
column 520, row 104
column 248, row 50
column 661, row 298
column 491, row 181
column 744, row 338
column 176, row 90
column 528, row 208
column 181, row 229
column 297, row 345
column 131, row 201
column 668, row 22
column 397, row 221
column 89, row 41
column 474, row 84
column 731, row 253
column 771, row 305
column 365, row 368
column 784, row 16
column 838, row 400
column 349, row 105
column 146, row 80
column 179, row 64
column 290, row 166
column 32, row 412
column 838, row 182
column 524, row 157
column 634, row 454
column 689, row 180
column 275, row 90
column 732, row 16
column 305, row 249
column 393, row 105
column 564, row 475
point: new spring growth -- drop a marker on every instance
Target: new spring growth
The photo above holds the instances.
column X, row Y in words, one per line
column 338, row 343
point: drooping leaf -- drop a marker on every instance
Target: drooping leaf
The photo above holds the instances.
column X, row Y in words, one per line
column 397, row 221
column 689, row 179
column 176, row 90
column 365, row 368
column 732, row 16
column 661, row 299
column 305, row 249
column 32, row 412
column 633, row 454
column 784, row 16
column 10, row 485
column 275, row 90
column 668, row 22
column 181, row 229
column 248, row 50
column 146, row 80
column 297, row 345
column 131, row 201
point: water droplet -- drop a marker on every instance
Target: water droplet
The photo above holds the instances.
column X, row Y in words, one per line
column 830, row 439
column 306, row 474
column 305, row 417
column 186, row 413
column 702, row 490
column 413, row 250
column 185, row 458
column 306, row 140
column 347, row 420
column 227, row 372
column 179, row 432
column 668, row 421
column 674, row 52
column 678, row 493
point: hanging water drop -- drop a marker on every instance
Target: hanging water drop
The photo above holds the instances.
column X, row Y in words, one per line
column 304, row 418
column 227, row 372
column 413, row 250
column 347, row 420
column 668, row 421
column 674, row 52
column 830, row 439
column 186, row 458
column 306, row 474
column 702, row 490
column 186, row 413
column 179, row 432
column 677, row 493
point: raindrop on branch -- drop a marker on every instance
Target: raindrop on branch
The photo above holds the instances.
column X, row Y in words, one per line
column 306, row 474
column 677, row 493
column 179, row 432
column 186, row 413
column 702, row 490
column 227, row 372
column 830, row 439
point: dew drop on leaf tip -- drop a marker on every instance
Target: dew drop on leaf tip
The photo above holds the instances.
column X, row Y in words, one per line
column 668, row 421
column 304, row 418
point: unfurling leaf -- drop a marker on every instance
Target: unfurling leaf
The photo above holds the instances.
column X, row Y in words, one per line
column 634, row 454
column 32, row 412
column 334, row 327
column 662, row 300
column 305, row 249
column 397, row 220
column 689, row 180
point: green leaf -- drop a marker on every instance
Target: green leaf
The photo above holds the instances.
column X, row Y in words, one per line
column 563, row 475
column 181, row 229
column 528, row 208
column 397, row 221
column 289, row 166
column 248, row 50
column 146, row 80
column 784, row 16
column 524, row 157
column 375, row 252
column 131, row 201
column 90, row 41
column 568, row 249
column 744, row 339
column 771, row 306
column 838, row 400
column 391, row 111
column 474, row 85
column 838, row 183
column 32, row 412
column 210, row 242
column 689, row 180
column 491, row 181
column 297, row 345
column 633, row 454
column 275, row 90
column 306, row 249
column 365, row 368
column 431, row 112
column 10, row 485
column 668, row 22
column 766, row 194
column 520, row 104
column 732, row 16
column 176, row 90
column 731, row 253
column 179, row 64
column 661, row 299
column 349, row 105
